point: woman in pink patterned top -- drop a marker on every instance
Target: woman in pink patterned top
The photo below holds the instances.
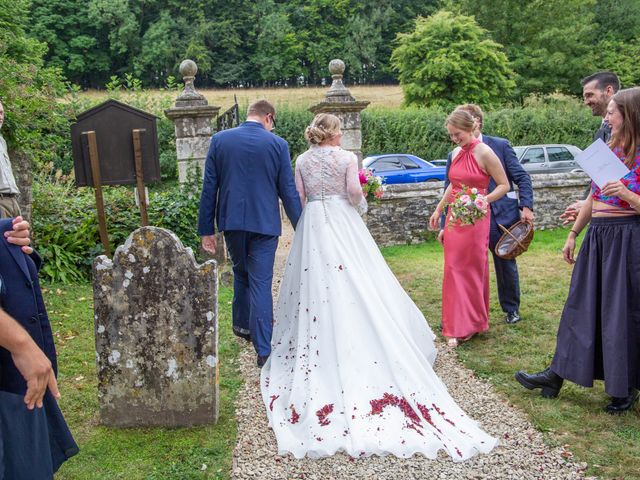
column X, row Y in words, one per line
column 599, row 331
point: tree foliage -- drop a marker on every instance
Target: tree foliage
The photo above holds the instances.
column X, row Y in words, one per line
column 448, row 59
column 265, row 42
column 34, row 122
column 549, row 42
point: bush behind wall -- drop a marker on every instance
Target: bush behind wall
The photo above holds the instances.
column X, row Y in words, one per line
column 64, row 218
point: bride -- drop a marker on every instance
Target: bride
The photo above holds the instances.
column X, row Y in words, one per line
column 351, row 362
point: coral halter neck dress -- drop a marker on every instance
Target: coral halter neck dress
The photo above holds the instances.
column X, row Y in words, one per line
column 465, row 286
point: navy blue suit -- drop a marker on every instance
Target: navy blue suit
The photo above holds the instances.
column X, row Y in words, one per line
column 506, row 212
column 248, row 169
column 21, row 298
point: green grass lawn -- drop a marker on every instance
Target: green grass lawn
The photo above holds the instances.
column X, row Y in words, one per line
column 152, row 453
column 610, row 445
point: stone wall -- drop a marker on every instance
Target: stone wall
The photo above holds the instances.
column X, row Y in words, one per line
column 402, row 216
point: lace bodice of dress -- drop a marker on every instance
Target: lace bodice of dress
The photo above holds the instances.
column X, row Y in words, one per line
column 324, row 171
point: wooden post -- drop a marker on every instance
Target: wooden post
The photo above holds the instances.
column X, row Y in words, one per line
column 142, row 195
column 97, row 185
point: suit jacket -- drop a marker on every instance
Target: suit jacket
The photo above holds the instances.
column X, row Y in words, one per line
column 247, row 169
column 20, row 297
column 604, row 132
column 505, row 211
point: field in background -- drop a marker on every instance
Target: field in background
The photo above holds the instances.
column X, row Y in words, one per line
column 380, row 96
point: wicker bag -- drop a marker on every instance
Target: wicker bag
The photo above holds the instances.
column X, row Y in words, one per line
column 514, row 240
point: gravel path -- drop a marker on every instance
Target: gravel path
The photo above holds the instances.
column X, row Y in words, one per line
column 522, row 454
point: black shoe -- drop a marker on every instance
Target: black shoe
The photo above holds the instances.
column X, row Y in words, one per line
column 547, row 380
column 512, row 317
column 261, row 360
column 620, row 405
column 245, row 336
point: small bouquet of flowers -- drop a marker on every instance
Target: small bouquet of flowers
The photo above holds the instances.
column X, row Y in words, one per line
column 371, row 185
column 467, row 206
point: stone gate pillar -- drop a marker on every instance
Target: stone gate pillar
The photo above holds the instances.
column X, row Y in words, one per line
column 340, row 102
column 193, row 117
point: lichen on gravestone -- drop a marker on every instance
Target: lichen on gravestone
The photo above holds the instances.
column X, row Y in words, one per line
column 156, row 327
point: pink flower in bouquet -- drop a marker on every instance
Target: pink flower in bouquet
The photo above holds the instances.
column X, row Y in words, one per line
column 481, row 203
column 362, row 174
column 465, row 199
column 378, row 194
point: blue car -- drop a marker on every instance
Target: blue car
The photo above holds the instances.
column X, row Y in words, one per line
column 403, row 168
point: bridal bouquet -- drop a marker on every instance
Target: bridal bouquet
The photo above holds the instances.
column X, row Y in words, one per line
column 467, row 206
column 371, row 184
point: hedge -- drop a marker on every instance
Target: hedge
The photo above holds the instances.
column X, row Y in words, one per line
column 64, row 219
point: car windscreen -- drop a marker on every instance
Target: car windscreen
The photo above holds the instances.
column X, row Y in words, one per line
column 519, row 151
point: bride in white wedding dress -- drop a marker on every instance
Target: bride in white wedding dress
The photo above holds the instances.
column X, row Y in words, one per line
column 351, row 362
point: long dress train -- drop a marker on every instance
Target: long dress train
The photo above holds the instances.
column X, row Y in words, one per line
column 351, row 362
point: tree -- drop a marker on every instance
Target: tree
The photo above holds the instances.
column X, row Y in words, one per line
column 277, row 49
column 448, row 59
column 74, row 43
column 550, row 43
column 35, row 121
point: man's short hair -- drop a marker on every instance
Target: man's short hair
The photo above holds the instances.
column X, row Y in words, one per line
column 261, row 108
column 475, row 111
column 603, row 80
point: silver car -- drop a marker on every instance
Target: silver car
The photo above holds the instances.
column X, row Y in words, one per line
column 549, row 158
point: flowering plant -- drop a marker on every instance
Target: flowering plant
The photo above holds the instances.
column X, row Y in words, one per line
column 371, row 184
column 468, row 206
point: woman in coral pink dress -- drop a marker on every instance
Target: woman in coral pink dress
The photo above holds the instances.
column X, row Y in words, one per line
column 465, row 286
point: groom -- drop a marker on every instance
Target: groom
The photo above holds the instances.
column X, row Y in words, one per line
column 247, row 169
column 506, row 211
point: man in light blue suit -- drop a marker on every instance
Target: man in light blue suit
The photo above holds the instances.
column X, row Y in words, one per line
column 506, row 211
column 247, row 170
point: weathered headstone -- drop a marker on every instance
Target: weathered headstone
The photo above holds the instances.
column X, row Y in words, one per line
column 156, row 327
column 339, row 101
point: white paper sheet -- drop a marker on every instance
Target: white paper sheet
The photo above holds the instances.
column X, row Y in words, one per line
column 601, row 164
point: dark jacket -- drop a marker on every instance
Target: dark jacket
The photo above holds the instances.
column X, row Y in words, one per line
column 21, row 298
column 246, row 171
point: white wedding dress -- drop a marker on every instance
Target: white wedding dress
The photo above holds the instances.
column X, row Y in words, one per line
column 351, row 362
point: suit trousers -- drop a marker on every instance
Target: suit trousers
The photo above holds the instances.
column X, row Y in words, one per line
column 252, row 255
column 507, row 277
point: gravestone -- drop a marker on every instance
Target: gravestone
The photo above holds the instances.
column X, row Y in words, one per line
column 156, row 328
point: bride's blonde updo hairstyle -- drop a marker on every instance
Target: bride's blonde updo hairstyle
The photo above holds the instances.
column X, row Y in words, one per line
column 324, row 127
column 460, row 119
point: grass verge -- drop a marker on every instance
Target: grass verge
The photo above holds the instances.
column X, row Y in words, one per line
column 150, row 453
column 610, row 445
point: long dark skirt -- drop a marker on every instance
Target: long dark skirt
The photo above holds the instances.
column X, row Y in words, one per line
column 599, row 333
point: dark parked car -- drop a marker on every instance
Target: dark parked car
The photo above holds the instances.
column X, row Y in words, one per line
column 548, row 158
column 403, row 168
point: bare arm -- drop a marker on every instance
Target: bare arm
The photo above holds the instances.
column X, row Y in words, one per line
column 30, row 361
column 434, row 221
column 492, row 165
column 584, row 217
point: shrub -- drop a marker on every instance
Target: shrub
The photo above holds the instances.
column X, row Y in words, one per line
column 65, row 224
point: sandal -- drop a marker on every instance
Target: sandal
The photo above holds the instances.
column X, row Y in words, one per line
column 467, row 338
column 452, row 342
